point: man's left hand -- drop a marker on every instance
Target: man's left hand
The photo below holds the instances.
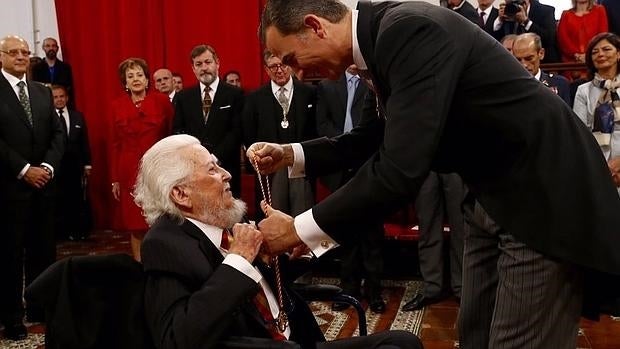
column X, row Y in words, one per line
column 278, row 230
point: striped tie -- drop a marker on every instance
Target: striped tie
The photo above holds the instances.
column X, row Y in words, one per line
column 206, row 103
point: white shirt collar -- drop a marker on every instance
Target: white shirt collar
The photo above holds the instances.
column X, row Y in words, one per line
column 12, row 79
column 358, row 59
column 171, row 94
column 275, row 88
column 487, row 11
column 213, row 233
column 537, row 75
column 65, row 111
column 213, row 86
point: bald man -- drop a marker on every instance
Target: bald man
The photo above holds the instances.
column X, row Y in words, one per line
column 164, row 83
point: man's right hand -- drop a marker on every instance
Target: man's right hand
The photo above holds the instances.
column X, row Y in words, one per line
column 270, row 157
column 37, row 177
column 246, row 241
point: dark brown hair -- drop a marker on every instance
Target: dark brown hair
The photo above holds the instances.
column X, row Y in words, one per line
column 132, row 63
column 200, row 49
column 611, row 37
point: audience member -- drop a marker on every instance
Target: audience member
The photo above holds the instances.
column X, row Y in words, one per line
column 597, row 102
column 507, row 41
column 440, row 192
column 455, row 100
column 211, row 112
column 204, row 286
column 528, row 51
column 52, row 70
column 487, row 15
column 177, row 81
column 31, row 146
column 339, row 108
column 139, row 119
column 612, row 8
column 577, row 26
column 34, row 60
column 283, row 110
column 74, row 170
column 164, row 83
column 233, row 77
column 465, row 9
column 529, row 16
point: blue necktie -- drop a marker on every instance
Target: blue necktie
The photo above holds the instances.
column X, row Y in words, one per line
column 351, row 87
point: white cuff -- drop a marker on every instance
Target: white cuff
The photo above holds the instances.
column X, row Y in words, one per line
column 312, row 235
column 48, row 166
column 242, row 264
column 298, row 170
column 22, row 173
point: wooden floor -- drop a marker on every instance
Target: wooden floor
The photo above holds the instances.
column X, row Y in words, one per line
column 439, row 329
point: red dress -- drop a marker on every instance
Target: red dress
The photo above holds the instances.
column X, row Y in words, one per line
column 134, row 131
column 575, row 32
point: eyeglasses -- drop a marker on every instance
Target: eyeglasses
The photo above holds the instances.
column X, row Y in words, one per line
column 15, row 52
column 274, row 67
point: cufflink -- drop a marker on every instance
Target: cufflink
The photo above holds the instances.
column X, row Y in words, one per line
column 325, row 244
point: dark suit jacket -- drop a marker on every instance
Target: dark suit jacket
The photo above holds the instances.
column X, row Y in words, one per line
column 221, row 135
column 62, row 74
column 613, row 13
column 331, row 104
column 77, row 150
column 21, row 144
column 488, row 25
column 262, row 115
column 469, row 12
column 559, row 85
column 456, row 101
column 194, row 301
column 543, row 24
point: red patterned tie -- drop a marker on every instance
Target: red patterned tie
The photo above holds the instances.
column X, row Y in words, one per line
column 226, row 239
column 260, row 301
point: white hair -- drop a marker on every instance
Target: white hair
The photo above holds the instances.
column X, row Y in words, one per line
column 162, row 168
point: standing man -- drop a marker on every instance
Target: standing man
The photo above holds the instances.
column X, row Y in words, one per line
column 465, row 9
column 283, row 110
column 177, row 81
column 52, row 70
column 456, row 101
column 233, row 77
column 164, row 83
column 527, row 49
column 487, row 15
column 211, row 112
column 31, row 146
column 339, row 108
column 74, row 170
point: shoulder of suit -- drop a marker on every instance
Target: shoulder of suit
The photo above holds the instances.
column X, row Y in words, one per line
column 39, row 85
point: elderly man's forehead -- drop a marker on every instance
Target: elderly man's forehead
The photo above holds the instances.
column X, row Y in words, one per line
column 13, row 42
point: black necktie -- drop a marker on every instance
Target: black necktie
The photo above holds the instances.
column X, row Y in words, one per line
column 61, row 118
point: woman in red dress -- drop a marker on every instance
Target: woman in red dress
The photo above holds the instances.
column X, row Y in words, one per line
column 577, row 26
column 139, row 120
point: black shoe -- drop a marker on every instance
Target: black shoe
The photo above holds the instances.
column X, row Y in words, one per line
column 15, row 332
column 377, row 305
column 418, row 302
column 340, row 306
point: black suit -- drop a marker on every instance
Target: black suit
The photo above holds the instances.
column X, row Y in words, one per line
column 559, row 85
column 195, row 301
column 613, row 13
column 468, row 11
column 457, row 101
column 543, row 24
column 71, row 193
column 25, row 212
column 221, row 134
column 262, row 116
column 62, row 76
column 365, row 256
column 488, row 25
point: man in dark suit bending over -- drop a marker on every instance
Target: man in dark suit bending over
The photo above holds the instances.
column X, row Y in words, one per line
column 203, row 287
column 31, row 146
column 455, row 101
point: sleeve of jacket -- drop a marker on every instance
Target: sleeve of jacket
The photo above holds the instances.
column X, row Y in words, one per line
column 420, row 64
column 178, row 122
column 232, row 140
column 325, row 125
column 56, row 147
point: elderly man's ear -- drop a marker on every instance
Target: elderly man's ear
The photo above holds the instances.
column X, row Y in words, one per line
column 180, row 196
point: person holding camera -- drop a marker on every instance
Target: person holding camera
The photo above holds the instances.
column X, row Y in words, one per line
column 528, row 16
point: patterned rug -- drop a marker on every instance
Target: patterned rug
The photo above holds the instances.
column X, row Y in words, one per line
column 336, row 324
column 33, row 341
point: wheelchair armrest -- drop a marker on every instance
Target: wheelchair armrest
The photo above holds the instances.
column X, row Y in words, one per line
column 316, row 292
column 256, row 343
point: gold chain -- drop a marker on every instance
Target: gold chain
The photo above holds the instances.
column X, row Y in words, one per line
column 282, row 320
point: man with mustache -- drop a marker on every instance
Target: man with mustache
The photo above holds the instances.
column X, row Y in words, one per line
column 211, row 112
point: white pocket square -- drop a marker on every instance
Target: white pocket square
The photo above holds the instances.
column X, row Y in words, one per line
column 78, row 126
column 309, row 105
column 225, row 107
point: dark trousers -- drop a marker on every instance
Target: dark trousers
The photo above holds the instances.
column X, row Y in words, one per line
column 381, row 340
column 27, row 249
column 71, row 211
column 363, row 259
column 440, row 191
column 513, row 296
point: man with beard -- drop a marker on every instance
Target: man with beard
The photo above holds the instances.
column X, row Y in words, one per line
column 52, row 70
column 202, row 285
column 211, row 112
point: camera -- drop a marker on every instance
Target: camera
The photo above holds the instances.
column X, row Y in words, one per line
column 513, row 7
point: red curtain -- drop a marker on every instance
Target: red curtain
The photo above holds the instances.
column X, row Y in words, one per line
column 97, row 35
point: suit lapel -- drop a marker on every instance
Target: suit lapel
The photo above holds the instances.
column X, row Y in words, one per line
column 298, row 114
column 213, row 254
column 12, row 101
